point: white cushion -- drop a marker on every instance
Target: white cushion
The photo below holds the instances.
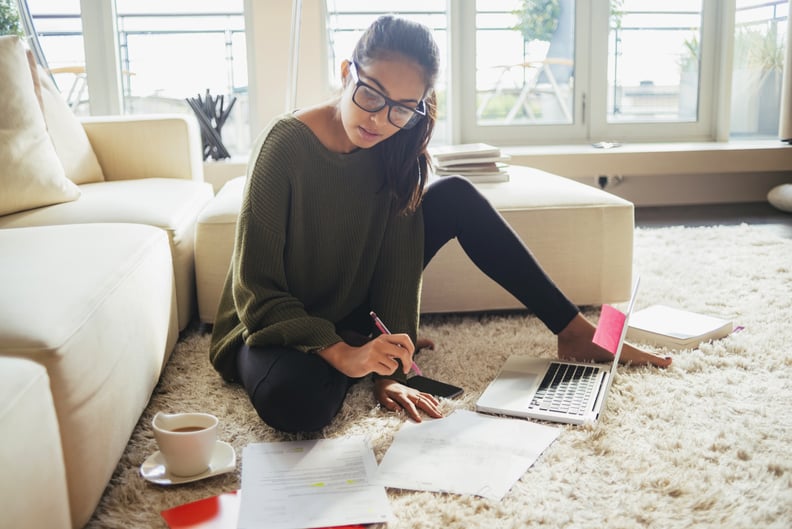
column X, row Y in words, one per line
column 31, row 174
column 214, row 244
column 33, row 481
column 582, row 237
column 168, row 203
column 781, row 197
column 67, row 133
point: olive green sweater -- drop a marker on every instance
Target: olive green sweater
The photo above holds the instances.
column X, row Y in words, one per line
column 317, row 237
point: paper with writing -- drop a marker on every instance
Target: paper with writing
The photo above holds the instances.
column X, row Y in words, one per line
column 297, row 484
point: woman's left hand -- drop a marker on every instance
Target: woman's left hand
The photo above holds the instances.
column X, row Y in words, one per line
column 394, row 395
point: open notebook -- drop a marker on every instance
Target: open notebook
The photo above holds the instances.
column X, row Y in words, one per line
column 557, row 391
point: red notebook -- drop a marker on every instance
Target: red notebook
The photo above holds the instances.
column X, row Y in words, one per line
column 216, row 512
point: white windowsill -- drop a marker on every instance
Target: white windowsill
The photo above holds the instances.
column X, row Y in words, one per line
column 646, row 159
column 654, row 173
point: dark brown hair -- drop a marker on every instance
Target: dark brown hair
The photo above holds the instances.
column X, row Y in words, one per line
column 404, row 155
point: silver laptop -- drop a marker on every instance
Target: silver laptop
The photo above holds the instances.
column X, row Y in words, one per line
column 552, row 390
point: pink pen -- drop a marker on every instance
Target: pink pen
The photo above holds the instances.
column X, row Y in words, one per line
column 384, row 330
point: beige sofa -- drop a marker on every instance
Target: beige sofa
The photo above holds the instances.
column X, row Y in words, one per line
column 97, row 223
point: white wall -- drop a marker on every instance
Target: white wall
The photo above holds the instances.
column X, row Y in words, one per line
column 268, row 30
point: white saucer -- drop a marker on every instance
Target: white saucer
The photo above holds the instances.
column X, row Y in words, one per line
column 223, row 460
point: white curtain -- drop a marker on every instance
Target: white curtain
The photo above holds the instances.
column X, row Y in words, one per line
column 785, row 122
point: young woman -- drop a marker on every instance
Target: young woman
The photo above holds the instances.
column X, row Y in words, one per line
column 337, row 221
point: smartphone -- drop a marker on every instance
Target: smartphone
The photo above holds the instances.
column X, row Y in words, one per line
column 434, row 387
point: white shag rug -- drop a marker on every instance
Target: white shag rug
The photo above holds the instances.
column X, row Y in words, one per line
column 705, row 443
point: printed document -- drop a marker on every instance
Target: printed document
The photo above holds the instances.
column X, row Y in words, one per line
column 464, row 453
column 319, row 483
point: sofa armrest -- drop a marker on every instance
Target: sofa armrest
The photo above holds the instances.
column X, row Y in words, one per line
column 146, row 146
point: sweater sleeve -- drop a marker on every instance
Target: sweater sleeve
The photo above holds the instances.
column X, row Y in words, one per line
column 396, row 286
column 270, row 314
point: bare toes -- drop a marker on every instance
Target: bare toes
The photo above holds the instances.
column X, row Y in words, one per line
column 424, row 343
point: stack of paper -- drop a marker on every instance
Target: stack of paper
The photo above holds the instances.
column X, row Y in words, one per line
column 670, row 327
column 479, row 162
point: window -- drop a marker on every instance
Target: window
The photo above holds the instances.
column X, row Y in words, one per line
column 513, row 72
column 529, row 74
column 60, row 36
column 759, row 41
column 576, row 71
column 653, row 61
column 524, row 62
column 587, row 71
column 173, row 51
column 168, row 52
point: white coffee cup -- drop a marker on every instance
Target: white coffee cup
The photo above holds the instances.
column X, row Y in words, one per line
column 186, row 441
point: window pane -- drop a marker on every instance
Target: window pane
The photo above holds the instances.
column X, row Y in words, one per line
column 524, row 61
column 59, row 31
column 653, row 62
column 757, row 71
column 173, row 51
column 348, row 19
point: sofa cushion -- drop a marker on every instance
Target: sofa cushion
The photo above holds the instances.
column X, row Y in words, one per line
column 31, row 174
column 33, row 480
column 167, row 203
column 582, row 237
column 214, row 244
column 67, row 133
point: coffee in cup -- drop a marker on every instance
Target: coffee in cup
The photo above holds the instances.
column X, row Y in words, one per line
column 186, row 441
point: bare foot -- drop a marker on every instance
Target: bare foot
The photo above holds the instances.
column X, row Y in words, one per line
column 423, row 343
column 574, row 343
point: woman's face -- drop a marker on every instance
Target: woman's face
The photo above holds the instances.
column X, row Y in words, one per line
column 399, row 79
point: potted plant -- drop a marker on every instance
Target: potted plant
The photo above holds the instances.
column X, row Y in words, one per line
column 688, row 78
column 538, row 19
column 9, row 19
column 758, row 69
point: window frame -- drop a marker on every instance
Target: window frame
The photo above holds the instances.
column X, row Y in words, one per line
column 590, row 88
column 470, row 131
column 703, row 129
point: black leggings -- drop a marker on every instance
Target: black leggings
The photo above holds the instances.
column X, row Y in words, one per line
column 296, row 392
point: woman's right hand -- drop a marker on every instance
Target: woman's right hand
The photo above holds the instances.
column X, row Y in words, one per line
column 377, row 356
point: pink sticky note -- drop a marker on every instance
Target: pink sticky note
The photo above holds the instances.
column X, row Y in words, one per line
column 609, row 328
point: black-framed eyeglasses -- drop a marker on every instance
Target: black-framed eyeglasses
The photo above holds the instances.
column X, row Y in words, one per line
column 372, row 100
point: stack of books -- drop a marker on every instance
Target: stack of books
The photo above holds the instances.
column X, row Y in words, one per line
column 478, row 162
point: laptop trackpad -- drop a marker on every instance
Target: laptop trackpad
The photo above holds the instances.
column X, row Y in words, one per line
column 512, row 389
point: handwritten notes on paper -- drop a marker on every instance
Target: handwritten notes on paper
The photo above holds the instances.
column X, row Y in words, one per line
column 464, row 453
column 319, row 483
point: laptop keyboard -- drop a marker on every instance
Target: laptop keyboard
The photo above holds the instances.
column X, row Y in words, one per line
column 566, row 389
